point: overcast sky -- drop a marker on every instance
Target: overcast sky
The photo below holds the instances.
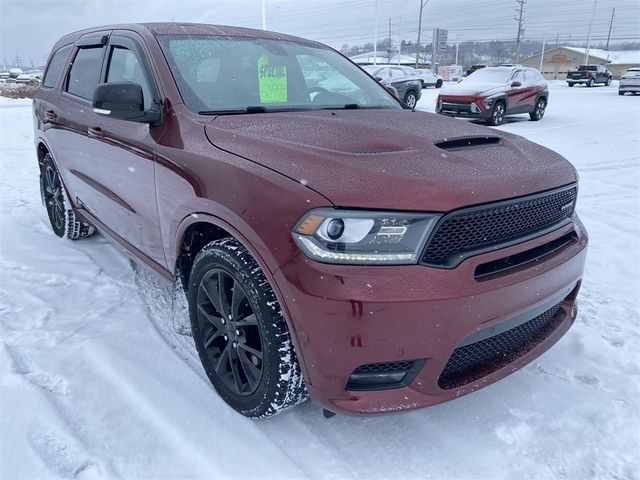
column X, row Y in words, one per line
column 30, row 27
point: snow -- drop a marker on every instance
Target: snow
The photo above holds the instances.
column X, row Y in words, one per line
column 614, row 56
column 97, row 382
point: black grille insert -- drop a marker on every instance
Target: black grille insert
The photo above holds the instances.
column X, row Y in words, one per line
column 489, row 270
column 476, row 360
column 470, row 231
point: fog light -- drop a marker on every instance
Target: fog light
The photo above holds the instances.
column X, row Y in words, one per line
column 384, row 376
column 475, row 108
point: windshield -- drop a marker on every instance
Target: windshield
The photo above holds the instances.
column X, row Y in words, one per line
column 222, row 74
column 591, row 68
column 489, row 75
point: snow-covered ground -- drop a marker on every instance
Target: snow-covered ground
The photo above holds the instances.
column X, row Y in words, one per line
column 95, row 383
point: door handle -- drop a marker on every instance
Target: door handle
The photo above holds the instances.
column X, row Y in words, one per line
column 49, row 116
column 95, row 132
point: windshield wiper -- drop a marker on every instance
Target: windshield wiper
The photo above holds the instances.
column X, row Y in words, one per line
column 262, row 109
column 236, row 111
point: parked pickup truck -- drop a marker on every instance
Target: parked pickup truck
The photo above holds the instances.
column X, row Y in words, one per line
column 589, row 75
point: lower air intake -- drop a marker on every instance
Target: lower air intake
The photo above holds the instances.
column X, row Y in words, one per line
column 477, row 360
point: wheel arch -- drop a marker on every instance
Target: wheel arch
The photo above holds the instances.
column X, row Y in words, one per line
column 41, row 151
column 199, row 229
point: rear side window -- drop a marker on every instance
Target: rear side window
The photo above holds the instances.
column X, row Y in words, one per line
column 56, row 65
column 85, row 72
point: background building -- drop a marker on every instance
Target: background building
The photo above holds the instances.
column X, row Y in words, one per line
column 558, row 60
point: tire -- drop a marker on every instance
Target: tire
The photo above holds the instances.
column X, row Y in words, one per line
column 248, row 356
column 497, row 114
column 63, row 219
column 439, row 84
column 410, row 98
column 608, row 82
column 538, row 109
column 620, row 93
column 590, row 83
column 571, row 84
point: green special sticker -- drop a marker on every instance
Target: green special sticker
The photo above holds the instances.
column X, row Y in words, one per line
column 272, row 81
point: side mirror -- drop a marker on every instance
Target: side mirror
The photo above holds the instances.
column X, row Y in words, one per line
column 378, row 78
column 124, row 101
column 516, row 84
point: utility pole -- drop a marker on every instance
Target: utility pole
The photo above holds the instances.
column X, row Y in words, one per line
column 422, row 4
column 593, row 16
column 557, row 39
column 544, row 41
column 610, row 27
column 375, row 38
column 458, row 37
column 400, row 40
column 520, row 12
column 389, row 44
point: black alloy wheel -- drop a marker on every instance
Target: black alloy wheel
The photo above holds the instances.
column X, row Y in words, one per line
column 229, row 327
column 53, row 198
column 62, row 217
column 240, row 332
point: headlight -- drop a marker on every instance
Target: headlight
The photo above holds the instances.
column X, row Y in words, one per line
column 359, row 237
column 487, row 102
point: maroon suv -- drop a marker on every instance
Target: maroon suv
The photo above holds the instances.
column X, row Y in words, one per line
column 492, row 93
column 331, row 241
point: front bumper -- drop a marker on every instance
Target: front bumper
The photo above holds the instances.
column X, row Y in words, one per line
column 345, row 317
column 464, row 109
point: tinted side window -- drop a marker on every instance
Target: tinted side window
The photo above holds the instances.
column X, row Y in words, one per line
column 56, row 64
column 85, row 72
column 125, row 67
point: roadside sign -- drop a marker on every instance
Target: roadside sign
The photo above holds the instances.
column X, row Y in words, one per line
column 440, row 39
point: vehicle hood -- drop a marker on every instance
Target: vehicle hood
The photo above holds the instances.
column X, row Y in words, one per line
column 388, row 159
column 472, row 89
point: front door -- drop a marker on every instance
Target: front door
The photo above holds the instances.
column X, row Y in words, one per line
column 125, row 152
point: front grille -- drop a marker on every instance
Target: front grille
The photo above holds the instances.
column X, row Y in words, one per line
column 476, row 360
column 472, row 230
column 456, row 107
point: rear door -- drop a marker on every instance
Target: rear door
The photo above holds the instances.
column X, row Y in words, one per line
column 124, row 152
column 532, row 89
column 68, row 117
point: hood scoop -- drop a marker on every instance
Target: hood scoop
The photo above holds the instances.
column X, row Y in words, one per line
column 468, row 143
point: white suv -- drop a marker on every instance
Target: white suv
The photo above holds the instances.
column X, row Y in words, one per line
column 428, row 78
column 630, row 81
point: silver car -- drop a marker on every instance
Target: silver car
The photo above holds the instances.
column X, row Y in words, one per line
column 630, row 81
